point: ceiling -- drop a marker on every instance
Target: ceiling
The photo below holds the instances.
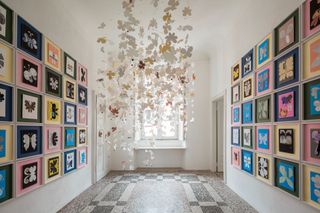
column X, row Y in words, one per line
column 211, row 19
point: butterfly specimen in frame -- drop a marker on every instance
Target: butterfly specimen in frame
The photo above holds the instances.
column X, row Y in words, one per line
column 82, row 95
column 30, row 105
column 82, row 136
column 30, row 73
column 53, row 164
column 263, row 165
column 28, row 38
column 54, row 84
column 54, row 139
column 70, row 90
column 30, row 174
column 54, row 111
column 29, row 141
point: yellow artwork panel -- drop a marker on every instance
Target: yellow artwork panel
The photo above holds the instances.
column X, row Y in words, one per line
column 6, row 60
column 236, row 72
column 53, row 111
column 52, row 167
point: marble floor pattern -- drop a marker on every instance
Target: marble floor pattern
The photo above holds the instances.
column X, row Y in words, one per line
column 157, row 192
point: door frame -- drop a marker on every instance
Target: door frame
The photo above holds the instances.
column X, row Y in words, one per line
column 221, row 96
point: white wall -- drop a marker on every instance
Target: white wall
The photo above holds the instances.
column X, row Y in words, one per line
column 253, row 24
column 54, row 22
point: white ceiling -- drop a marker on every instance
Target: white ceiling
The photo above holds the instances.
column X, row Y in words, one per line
column 211, row 18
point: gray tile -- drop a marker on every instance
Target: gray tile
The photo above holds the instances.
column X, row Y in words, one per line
column 116, row 191
column 221, row 204
column 121, row 203
column 190, row 177
column 211, row 209
column 201, row 192
column 193, row 203
column 129, row 177
column 102, row 209
column 94, row 203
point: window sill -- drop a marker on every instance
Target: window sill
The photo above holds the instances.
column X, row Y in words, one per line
column 161, row 145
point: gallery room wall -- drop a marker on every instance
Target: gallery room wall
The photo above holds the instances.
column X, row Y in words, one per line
column 247, row 31
column 50, row 19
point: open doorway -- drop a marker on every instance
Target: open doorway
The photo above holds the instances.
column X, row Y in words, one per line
column 218, row 135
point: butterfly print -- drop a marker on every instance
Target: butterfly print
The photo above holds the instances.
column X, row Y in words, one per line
column 30, row 105
column 29, row 141
column 286, row 140
column 54, row 139
column 83, row 75
column 54, row 111
column 29, row 175
column 53, row 164
column 82, row 136
column 315, row 143
column 30, row 73
column 314, row 14
column 28, row 38
column 70, row 90
column 54, row 84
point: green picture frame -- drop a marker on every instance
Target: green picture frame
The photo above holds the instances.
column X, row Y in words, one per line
column 67, row 59
column 6, row 171
column 7, row 33
column 263, row 112
column 31, row 110
column 247, row 137
column 57, row 78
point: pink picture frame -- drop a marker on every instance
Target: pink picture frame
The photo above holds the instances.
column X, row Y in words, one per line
column 82, row 115
column 22, row 62
column 307, row 129
column 79, row 155
column 270, row 141
column 236, row 162
column 82, row 78
column 306, row 31
column 260, row 84
column 49, row 146
column 19, row 176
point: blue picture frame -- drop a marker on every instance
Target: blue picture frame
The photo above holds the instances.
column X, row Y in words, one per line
column 263, row 140
column 236, row 114
column 6, row 182
column 68, row 157
column 287, row 176
column 313, row 188
column 30, row 43
column 264, row 48
column 70, row 139
column 280, row 81
column 247, row 161
column 82, row 95
column 70, row 114
column 247, row 63
column 3, row 143
column 29, row 141
column 295, row 117
column 247, row 117
column 235, row 136
column 6, row 102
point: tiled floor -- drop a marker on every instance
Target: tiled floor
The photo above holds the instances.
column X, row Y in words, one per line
column 177, row 192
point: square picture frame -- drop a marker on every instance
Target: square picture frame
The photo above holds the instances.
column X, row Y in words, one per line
column 287, row 176
column 82, row 136
column 247, row 63
column 70, row 66
column 287, row 33
column 247, row 113
column 6, row 182
column 82, row 115
column 6, row 32
column 264, row 80
column 247, row 137
column 70, row 139
column 311, row 66
column 52, row 139
column 29, row 141
column 82, row 75
column 247, row 161
column 286, row 105
column 236, row 115
column 236, row 73
column 52, row 55
column 311, row 139
column 28, row 175
column 52, row 167
column 6, row 143
column 311, row 96
column 70, row 114
column 29, row 39
column 70, row 161
column 247, row 88
column 311, row 22
column 6, row 94
column 311, row 196
column 236, row 157
column 286, row 69
column 236, row 94
column 264, row 168
column 82, row 95
column 264, row 139
column 53, row 83
column 82, row 157
column 69, row 90
column 29, row 107
column 6, row 68
column 263, row 109
column 264, row 51
column 235, row 136
column 53, row 110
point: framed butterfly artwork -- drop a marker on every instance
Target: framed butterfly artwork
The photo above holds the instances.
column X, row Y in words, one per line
column 287, row 105
column 287, row 176
column 28, row 73
column 6, row 186
column 264, row 169
column 263, row 80
column 82, row 156
column 29, row 141
column 6, row 138
column 70, row 66
column 311, row 91
column 29, row 107
column 69, row 90
column 6, row 63
column 247, row 117
column 28, row 175
column 235, row 136
column 53, row 83
column 311, row 58
column 29, row 39
column 82, row 116
column 82, row 136
column 247, row 88
column 263, row 109
column 70, row 161
column 311, row 141
column 52, row 55
column 52, row 139
column 311, row 176
column 235, row 90
column 70, row 137
column 6, row 25
column 247, row 161
column 286, row 69
column 286, row 141
column 236, row 115
column 82, row 75
column 287, row 33
column 247, row 137
column 53, row 110
column 264, row 51
column 70, row 114
column 6, row 95
column 264, row 139
column 236, row 157
column 311, row 17
column 82, row 95
column 52, row 167
column 247, row 63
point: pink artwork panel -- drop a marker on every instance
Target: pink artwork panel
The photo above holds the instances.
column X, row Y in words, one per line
column 311, row 134
column 82, row 75
column 264, row 80
column 286, row 105
column 82, row 115
column 28, row 73
column 52, row 139
column 82, row 157
column 263, row 138
column 28, row 175
column 236, row 157
column 311, row 17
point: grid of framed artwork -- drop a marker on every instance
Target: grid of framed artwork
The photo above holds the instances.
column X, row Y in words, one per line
column 43, row 109
column 275, row 104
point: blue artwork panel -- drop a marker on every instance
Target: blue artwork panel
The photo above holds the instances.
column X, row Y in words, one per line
column 29, row 141
column 247, row 113
column 236, row 115
column 70, row 137
column 70, row 161
column 315, row 187
column 263, row 51
column 2, row 143
column 5, row 103
column 5, row 183
column 3, row 187
column 247, row 161
column 263, row 80
column 263, row 139
column 286, row 175
column 315, row 99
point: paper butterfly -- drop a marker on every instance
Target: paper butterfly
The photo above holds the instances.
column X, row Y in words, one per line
column 286, row 176
column 30, row 105
column 31, row 175
column 263, row 139
column 83, row 75
column 54, row 112
column 247, row 162
column 27, row 38
column 29, row 140
column 54, row 83
column 30, row 74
